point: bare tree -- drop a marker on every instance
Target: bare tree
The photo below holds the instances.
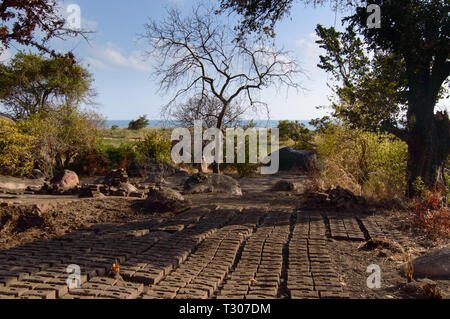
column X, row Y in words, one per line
column 198, row 55
column 205, row 108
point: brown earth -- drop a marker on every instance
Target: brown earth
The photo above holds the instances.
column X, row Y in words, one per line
column 306, row 254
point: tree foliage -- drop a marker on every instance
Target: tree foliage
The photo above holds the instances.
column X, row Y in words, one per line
column 33, row 23
column 197, row 55
column 32, row 83
column 16, row 156
column 297, row 132
column 139, row 124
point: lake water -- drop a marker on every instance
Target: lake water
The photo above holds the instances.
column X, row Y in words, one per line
column 162, row 123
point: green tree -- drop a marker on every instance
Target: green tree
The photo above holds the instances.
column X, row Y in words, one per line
column 16, row 149
column 155, row 146
column 297, row 132
column 32, row 83
column 61, row 135
column 415, row 33
column 140, row 123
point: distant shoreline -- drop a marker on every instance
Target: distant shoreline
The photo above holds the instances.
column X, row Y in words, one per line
column 166, row 124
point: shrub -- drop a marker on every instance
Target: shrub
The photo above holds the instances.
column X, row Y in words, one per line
column 15, row 150
column 430, row 217
column 297, row 132
column 367, row 163
column 139, row 124
column 155, row 146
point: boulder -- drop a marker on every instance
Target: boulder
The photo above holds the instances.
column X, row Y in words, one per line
column 151, row 169
column 212, row 183
column 65, row 180
column 37, row 174
column 286, row 186
column 435, row 264
column 291, row 159
column 164, row 199
column 129, row 188
column 116, row 177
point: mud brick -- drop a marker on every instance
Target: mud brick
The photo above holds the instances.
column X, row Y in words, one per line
column 95, row 286
column 254, row 296
column 174, row 283
column 72, row 296
column 167, row 288
column 192, row 294
column 300, row 286
column 302, row 294
column 115, row 295
column 271, row 291
column 231, row 296
column 44, row 294
column 37, row 279
column 84, row 292
column 159, row 295
column 8, row 280
column 104, row 281
column 59, row 281
column 11, row 291
column 59, row 290
column 25, row 284
column 209, row 289
column 147, row 278
column 139, row 288
column 333, row 295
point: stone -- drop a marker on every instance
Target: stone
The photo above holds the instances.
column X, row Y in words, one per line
column 291, row 158
column 37, row 174
column 65, row 180
column 212, row 183
column 286, row 186
column 435, row 264
column 164, row 199
column 116, row 178
column 151, row 169
column 128, row 188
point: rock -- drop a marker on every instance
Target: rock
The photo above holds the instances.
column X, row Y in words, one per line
column 435, row 264
column 212, row 183
column 412, row 287
column 286, row 186
column 65, row 180
column 164, row 199
column 151, row 169
column 37, row 174
column 290, row 159
column 129, row 188
column 116, row 177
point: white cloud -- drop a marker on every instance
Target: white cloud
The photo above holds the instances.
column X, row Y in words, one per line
column 5, row 55
column 111, row 56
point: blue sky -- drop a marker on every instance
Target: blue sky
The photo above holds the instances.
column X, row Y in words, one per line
column 123, row 78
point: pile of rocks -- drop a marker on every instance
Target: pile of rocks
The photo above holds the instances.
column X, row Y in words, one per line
column 116, row 183
column 63, row 183
column 335, row 198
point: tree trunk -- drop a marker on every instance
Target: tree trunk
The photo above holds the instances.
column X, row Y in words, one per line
column 428, row 144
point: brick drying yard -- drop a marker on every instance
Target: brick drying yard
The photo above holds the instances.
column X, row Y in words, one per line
column 259, row 246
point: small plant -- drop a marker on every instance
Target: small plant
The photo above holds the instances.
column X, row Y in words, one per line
column 418, row 186
column 155, row 146
column 409, row 271
column 430, row 217
column 431, row 291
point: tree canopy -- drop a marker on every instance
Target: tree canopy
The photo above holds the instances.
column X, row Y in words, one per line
column 32, row 23
column 31, row 83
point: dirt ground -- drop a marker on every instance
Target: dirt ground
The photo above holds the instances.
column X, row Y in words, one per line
column 28, row 218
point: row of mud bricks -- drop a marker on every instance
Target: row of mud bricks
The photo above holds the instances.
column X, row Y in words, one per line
column 202, row 253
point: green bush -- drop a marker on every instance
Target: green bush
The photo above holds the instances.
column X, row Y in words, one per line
column 296, row 132
column 155, row 146
column 371, row 164
column 16, row 156
column 121, row 156
column 139, row 124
